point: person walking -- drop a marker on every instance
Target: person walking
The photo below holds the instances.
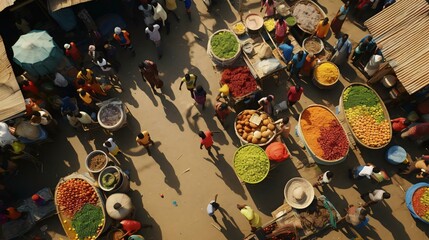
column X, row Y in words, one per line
column 212, row 207
column 323, row 179
column 270, row 8
column 281, row 30
column 296, row 63
column 171, row 7
column 200, row 96
column 421, row 165
column 107, row 68
column 190, row 80
column 73, row 52
column 356, row 215
column 149, row 72
column 322, row 28
column 112, row 147
column 294, row 94
column 339, row 18
column 153, row 34
column 374, row 197
column 343, row 48
column 160, row 16
column 361, row 172
column 124, row 39
column 148, row 12
column 144, row 139
column 286, row 49
column 251, row 216
column 283, row 127
column 206, row 140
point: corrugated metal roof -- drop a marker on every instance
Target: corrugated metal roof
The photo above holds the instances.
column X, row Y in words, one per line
column 5, row 3
column 403, row 30
column 55, row 5
column 11, row 101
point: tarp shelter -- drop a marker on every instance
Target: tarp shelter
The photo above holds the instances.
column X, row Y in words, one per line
column 5, row 3
column 12, row 102
column 55, row 5
column 403, row 31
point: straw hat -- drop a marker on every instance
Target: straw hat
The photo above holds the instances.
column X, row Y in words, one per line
column 299, row 193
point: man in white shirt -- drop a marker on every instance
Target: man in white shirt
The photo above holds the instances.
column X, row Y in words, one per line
column 360, row 172
column 212, row 207
column 375, row 196
column 160, row 16
column 152, row 32
column 84, row 118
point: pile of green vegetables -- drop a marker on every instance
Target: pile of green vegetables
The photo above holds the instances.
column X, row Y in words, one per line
column 251, row 163
column 224, row 45
column 88, row 221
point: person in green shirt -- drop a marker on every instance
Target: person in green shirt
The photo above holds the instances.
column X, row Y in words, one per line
column 190, row 80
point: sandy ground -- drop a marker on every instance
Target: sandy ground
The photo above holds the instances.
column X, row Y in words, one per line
column 173, row 121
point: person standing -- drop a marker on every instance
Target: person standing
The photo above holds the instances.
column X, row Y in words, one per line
column 399, row 124
column 309, row 63
column 283, row 127
column 144, row 139
column 171, row 8
column 153, row 34
column 281, row 30
column 124, row 39
column 294, row 94
column 297, row 62
column 417, row 132
column 200, row 96
column 357, row 53
column 149, row 72
column 73, row 52
column 421, row 165
column 84, row 118
column 160, row 16
column 148, row 12
column 212, row 207
column 112, row 147
column 107, row 68
column 266, row 104
column 222, row 110
column 356, row 215
column 343, row 48
column 191, row 81
column 322, row 28
column 270, row 8
column 251, row 216
column 110, row 53
column 30, row 87
column 339, row 18
column 324, row 179
column 188, row 4
column 206, row 140
column 287, row 49
column 374, row 197
column 44, row 118
column 367, row 170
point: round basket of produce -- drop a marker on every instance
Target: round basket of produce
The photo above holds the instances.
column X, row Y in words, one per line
column 290, row 21
column 308, row 15
column 313, row 45
column 254, row 22
column 224, row 46
column 366, row 115
column 417, row 200
column 240, row 82
column 96, row 161
column 323, row 135
column 80, row 208
column 111, row 115
column 251, row 164
column 270, row 24
column 252, row 126
column 113, row 179
column 239, row 28
column 326, row 75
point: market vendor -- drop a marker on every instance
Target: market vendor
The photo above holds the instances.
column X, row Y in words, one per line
column 266, row 104
column 399, row 124
column 322, row 28
column 421, row 165
column 417, row 132
column 309, row 63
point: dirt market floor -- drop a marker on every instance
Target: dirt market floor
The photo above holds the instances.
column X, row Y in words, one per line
column 173, row 121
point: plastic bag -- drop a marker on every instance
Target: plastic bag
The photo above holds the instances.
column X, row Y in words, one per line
column 268, row 65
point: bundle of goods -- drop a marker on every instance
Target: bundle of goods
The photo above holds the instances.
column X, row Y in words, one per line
column 240, row 81
column 366, row 116
column 251, row 164
column 285, row 235
column 224, row 45
column 307, row 16
column 323, row 133
column 79, row 209
column 256, row 127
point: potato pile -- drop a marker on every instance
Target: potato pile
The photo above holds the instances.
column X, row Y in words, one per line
column 252, row 133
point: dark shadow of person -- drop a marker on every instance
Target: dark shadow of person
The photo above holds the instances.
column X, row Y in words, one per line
column 227, row 174
column 171, row 112
column 127, row 164
column 229, row 228
column 171, row 178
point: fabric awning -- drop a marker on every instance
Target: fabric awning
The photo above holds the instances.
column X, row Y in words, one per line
column 11, row 102
column 402, row 29
column 55, row 5
column 5, row 3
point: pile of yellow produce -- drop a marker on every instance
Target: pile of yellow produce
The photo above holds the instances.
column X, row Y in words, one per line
column 270, row 24
column 252, row 133
column 326, row 73
column 365, row 114
column 239, row 28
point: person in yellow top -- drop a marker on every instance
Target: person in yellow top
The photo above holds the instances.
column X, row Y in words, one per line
column 171, row 7
column 253, row 218
column 143, row 139
column 322, row 28
column 190, row 80
column 85, row 74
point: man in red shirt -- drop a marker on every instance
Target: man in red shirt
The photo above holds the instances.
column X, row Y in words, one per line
column 73, row 52
column 399, row 124
column 29, row 86
column 294, row 94
column 206, row 140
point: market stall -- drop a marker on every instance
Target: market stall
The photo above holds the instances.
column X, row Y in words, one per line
column 112, row 114
column 308, row 15
column 417, row 200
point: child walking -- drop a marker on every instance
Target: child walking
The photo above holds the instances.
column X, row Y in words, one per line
column 206, row 140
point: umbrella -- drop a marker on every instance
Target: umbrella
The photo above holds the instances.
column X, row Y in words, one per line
column 37, row 53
